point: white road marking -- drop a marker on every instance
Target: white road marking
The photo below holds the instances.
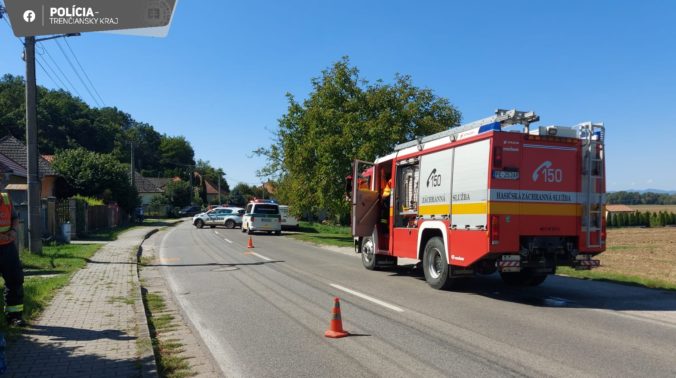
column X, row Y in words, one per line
column 228, row 240
column 261, row 256
column 216, row 232
column 368, row 298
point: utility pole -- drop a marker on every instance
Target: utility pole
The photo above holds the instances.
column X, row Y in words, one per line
column 35, row 234
column 192, row 191
column 219, row 188
column 131, row 174
column 32, row 158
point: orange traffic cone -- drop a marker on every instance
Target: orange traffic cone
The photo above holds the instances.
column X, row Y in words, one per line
column 336, row 326
column 250, row 244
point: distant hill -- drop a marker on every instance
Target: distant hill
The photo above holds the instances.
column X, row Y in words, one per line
column 658, row 191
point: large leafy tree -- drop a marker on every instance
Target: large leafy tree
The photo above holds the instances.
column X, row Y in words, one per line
column 65, row 121
column 346, row 117
column 176, row 156
column 96, row 175
column 177, row 193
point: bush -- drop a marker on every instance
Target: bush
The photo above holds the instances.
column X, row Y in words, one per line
column 91, row 201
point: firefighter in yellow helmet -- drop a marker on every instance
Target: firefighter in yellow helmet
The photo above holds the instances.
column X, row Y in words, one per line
column 10, row 265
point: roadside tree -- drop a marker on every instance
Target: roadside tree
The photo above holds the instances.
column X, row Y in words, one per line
column 97, row 175
column 345, row 117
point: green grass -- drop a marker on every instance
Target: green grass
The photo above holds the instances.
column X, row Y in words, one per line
column 616, row 278
column 62, row 261
column 324, row 234
column 170, row 362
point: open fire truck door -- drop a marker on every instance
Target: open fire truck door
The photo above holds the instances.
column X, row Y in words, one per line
column 364, row 199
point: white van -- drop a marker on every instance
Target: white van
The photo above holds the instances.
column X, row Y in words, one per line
column 262, row 215
column 289, row 222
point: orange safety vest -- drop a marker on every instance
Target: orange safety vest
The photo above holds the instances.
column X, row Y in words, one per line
column 388, row 188
column 5, row 214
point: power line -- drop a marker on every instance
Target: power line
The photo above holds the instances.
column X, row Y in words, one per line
column 44, row 62
column 76, row 73
column 72, row 87
column 40, row 61
column 45, row 71
column 84, row 72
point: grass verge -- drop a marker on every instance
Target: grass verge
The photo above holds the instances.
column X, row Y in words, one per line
column 46, row 273
column 324, row 234
column 616, row 278
column 170, row 363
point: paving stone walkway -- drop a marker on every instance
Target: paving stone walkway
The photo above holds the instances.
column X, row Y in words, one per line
column 95, row 326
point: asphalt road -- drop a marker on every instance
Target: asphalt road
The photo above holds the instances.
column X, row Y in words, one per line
column 262, row 312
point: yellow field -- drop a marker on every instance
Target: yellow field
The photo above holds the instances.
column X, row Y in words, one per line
column 644, row 252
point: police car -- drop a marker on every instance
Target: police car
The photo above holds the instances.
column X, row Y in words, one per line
column 262, row 215
column 230, row 217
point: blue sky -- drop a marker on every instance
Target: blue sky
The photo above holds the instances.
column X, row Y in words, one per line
column 220, row 76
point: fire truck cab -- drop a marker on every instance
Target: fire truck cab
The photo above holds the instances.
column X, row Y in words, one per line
column 477, row 199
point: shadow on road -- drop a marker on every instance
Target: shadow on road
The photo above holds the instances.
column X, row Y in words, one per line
column 560, row 292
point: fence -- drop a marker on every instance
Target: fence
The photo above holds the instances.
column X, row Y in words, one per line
column 85, row 219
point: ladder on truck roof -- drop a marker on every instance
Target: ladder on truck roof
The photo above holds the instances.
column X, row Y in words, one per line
column 501, row 119
column 593, row 185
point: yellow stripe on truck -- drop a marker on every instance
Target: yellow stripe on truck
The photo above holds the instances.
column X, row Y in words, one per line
column 435, row 209
column 504, row 208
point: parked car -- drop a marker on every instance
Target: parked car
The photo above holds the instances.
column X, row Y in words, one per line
column 189, row 211
column 289, row 222
column 262, row 215
column 230, row 217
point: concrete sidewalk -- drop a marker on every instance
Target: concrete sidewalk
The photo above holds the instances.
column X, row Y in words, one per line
column 95, row 326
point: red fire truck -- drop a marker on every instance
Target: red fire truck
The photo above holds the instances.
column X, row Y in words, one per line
column 478, row 199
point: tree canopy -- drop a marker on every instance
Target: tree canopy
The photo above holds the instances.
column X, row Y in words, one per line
column 65, row 121
column 96, row 175
column 345, row 117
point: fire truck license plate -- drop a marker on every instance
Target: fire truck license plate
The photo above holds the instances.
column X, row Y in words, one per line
column 506, row 175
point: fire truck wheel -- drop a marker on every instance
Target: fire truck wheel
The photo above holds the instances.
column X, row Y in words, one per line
column 368, row 255
column 523, row 278
column 435, row 265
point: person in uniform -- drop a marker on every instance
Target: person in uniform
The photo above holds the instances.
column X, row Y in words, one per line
column 10, row 264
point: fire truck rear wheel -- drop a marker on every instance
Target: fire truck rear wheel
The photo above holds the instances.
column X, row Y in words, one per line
column 523, row 278
column 368, row 253
column 435, row 265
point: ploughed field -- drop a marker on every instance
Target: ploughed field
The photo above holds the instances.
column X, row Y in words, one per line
column 648, row 253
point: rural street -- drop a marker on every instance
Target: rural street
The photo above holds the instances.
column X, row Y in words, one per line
column 262, row 312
